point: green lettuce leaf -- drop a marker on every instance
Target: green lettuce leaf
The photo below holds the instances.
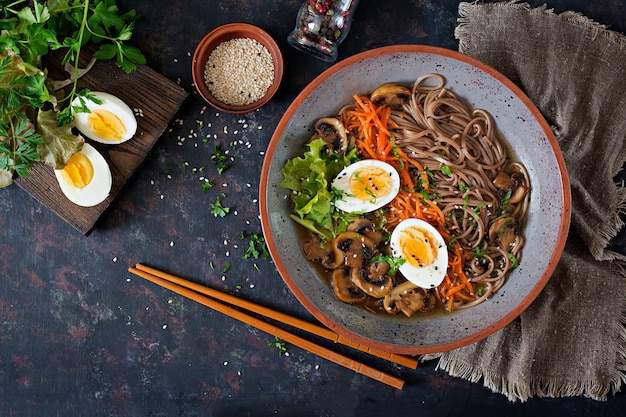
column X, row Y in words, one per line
column 309, row 177
column 59, row 143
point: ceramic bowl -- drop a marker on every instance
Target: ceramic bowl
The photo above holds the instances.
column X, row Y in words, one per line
column 528, row 136
column 226, row 33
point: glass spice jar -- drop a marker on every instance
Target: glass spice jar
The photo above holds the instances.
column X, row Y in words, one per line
column 321, row 26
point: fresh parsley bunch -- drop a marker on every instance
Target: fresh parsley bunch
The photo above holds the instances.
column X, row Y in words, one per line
column 35, row 115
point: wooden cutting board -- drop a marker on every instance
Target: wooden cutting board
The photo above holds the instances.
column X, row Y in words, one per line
column 156, row 99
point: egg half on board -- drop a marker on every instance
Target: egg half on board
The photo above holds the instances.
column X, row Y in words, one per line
column 86, row 179
column 366, row 185
column 423, row 250
column 110, row 121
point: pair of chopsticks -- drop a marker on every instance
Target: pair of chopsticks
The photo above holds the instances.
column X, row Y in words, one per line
column 216, row 300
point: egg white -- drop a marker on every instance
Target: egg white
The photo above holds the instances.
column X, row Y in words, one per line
column 110, row 103
column 429, row 276
column 100, row 186
column 352, row 204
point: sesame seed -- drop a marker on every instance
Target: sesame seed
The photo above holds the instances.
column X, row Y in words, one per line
column 239, row 71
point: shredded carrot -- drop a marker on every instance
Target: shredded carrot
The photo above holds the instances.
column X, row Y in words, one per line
column 370, row 125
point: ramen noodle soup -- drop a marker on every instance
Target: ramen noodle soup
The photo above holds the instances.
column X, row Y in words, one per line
column 410, row 200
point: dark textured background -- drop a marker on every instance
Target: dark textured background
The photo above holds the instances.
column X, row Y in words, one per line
column 80, row 336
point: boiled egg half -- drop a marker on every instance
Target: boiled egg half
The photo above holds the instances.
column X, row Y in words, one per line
column 109, row 122
column 366, row 185
column 86, row 179
column 423, row 250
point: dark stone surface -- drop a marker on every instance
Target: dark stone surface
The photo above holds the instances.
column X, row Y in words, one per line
column 80, row 336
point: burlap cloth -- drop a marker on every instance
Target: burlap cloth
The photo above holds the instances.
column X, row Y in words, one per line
column 571, row 341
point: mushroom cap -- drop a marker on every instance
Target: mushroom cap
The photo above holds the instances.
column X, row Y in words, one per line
column 344, row 289
column 390, row 94
column 376, row 289
column 332, row 131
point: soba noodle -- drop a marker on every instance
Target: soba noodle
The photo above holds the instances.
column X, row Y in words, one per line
column 438, row 127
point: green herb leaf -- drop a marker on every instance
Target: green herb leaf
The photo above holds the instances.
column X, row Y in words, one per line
column 217, row 208
column 280, row 345
column 394, row 262
column 207, row 185
column 219, row 159
column 257, row 247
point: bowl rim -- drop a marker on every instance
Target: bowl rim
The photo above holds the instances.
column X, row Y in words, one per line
column 225, row 33
column 563, row 228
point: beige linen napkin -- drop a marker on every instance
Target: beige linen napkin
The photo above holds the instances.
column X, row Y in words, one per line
column 571, row 341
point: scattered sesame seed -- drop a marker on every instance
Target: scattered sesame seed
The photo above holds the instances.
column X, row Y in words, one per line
column 239, row 71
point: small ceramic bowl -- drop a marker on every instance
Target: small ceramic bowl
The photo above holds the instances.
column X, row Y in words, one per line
column 223, row 34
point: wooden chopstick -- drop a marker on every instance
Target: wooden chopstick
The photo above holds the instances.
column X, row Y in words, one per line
column 281, row 317
column 273, row 330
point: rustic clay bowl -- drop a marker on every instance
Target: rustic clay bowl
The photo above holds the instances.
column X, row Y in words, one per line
column 526, row 132
column 225, row 33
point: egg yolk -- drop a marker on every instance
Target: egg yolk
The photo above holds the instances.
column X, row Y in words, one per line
column 78, row 171
column 369, row 183
column 106, row 125
column 418, row 247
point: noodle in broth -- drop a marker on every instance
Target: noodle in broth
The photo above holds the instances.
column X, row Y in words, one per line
column 456, row 174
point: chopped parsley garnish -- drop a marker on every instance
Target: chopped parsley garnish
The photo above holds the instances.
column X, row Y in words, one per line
column 280, row 345
column 217, row 208
column 207, row 185
column 220, row 160
column 257, row 247
column 394, row 262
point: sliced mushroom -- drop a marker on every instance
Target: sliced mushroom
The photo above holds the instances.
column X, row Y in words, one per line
column 365, row 227
column 316, row 250
column 355, row 247
column 325, row 253
column 335, row 258
column 515, row 183
column 377, row 270
column 377, row 289
column 503, row 230
column 334, row 134
column 520, row 189
column 407, row 298
column 374, row 305
column 344, row 289
column 391, row 94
